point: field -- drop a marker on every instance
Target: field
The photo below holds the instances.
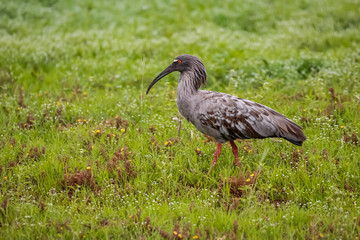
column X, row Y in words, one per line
column 85, row 154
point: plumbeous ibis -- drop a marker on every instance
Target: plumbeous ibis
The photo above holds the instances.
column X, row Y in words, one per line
column 223, row 116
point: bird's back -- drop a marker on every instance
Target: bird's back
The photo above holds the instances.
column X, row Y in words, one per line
column 226, row 118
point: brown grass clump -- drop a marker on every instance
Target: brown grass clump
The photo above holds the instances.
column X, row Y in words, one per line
column 325, row 154
column 42, row 206
column 5, row 203
column 248, row 147
column 80, row 178
column 58, row 111
column 351, row 139
column 61, row 227
column 357, row 220
column 29, row 122
column 6, row 111
column 164, row 234
column 104, row 154
column 177, row 232
column 332, row 92
column 348, row 187
column 335, row 104
column 127, row 172
column 35, row 153
column 120, row 123
column 77, row 93
column 111, row 137
column 3, row 208
column 117, row 122
column 136, row 217
column 111, row 165
column 295, row 157
column 45, row 116
column 237, row 184
column 329, row 110
column 88, row 146
column 5, row 77
column 21, row 153
column 305, row 120
column 21, row 99
column 105, row 222
column 12, row 142
column 171, row 156
column 147, row 225
column 313, row 231
column 172, row 141
column 154, row 145
column 198, row 233
column 168, row 147
column 10, row 166
column 198, row 152
column 152, row 129
column 122, row 164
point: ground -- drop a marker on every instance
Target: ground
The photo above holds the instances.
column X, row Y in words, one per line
column 85, row 154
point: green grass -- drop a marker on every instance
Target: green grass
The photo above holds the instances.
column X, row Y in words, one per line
column 73, row 76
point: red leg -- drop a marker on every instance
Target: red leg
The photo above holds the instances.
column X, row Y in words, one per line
column 235, row 152
column 216, row 154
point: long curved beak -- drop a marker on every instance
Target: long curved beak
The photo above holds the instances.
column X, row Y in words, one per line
column 168, row 70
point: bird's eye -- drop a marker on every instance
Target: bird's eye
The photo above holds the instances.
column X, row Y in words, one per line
column 179, row 61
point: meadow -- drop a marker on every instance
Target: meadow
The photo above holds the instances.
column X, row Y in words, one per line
column 85, row 154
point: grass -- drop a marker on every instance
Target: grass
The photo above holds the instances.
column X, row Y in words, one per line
column 84, row 153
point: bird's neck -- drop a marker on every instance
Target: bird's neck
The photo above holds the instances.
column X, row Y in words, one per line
column 186, row 87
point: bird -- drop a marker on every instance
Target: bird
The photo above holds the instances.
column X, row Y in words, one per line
column 222, row 116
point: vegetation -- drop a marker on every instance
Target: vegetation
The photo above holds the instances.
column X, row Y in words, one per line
column 85, row 154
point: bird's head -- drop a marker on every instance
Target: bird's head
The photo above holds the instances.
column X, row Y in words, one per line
column 185, row 64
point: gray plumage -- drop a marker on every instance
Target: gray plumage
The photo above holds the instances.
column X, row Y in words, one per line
column 222, row 116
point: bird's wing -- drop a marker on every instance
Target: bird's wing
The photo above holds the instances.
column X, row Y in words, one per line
column 240, row 118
